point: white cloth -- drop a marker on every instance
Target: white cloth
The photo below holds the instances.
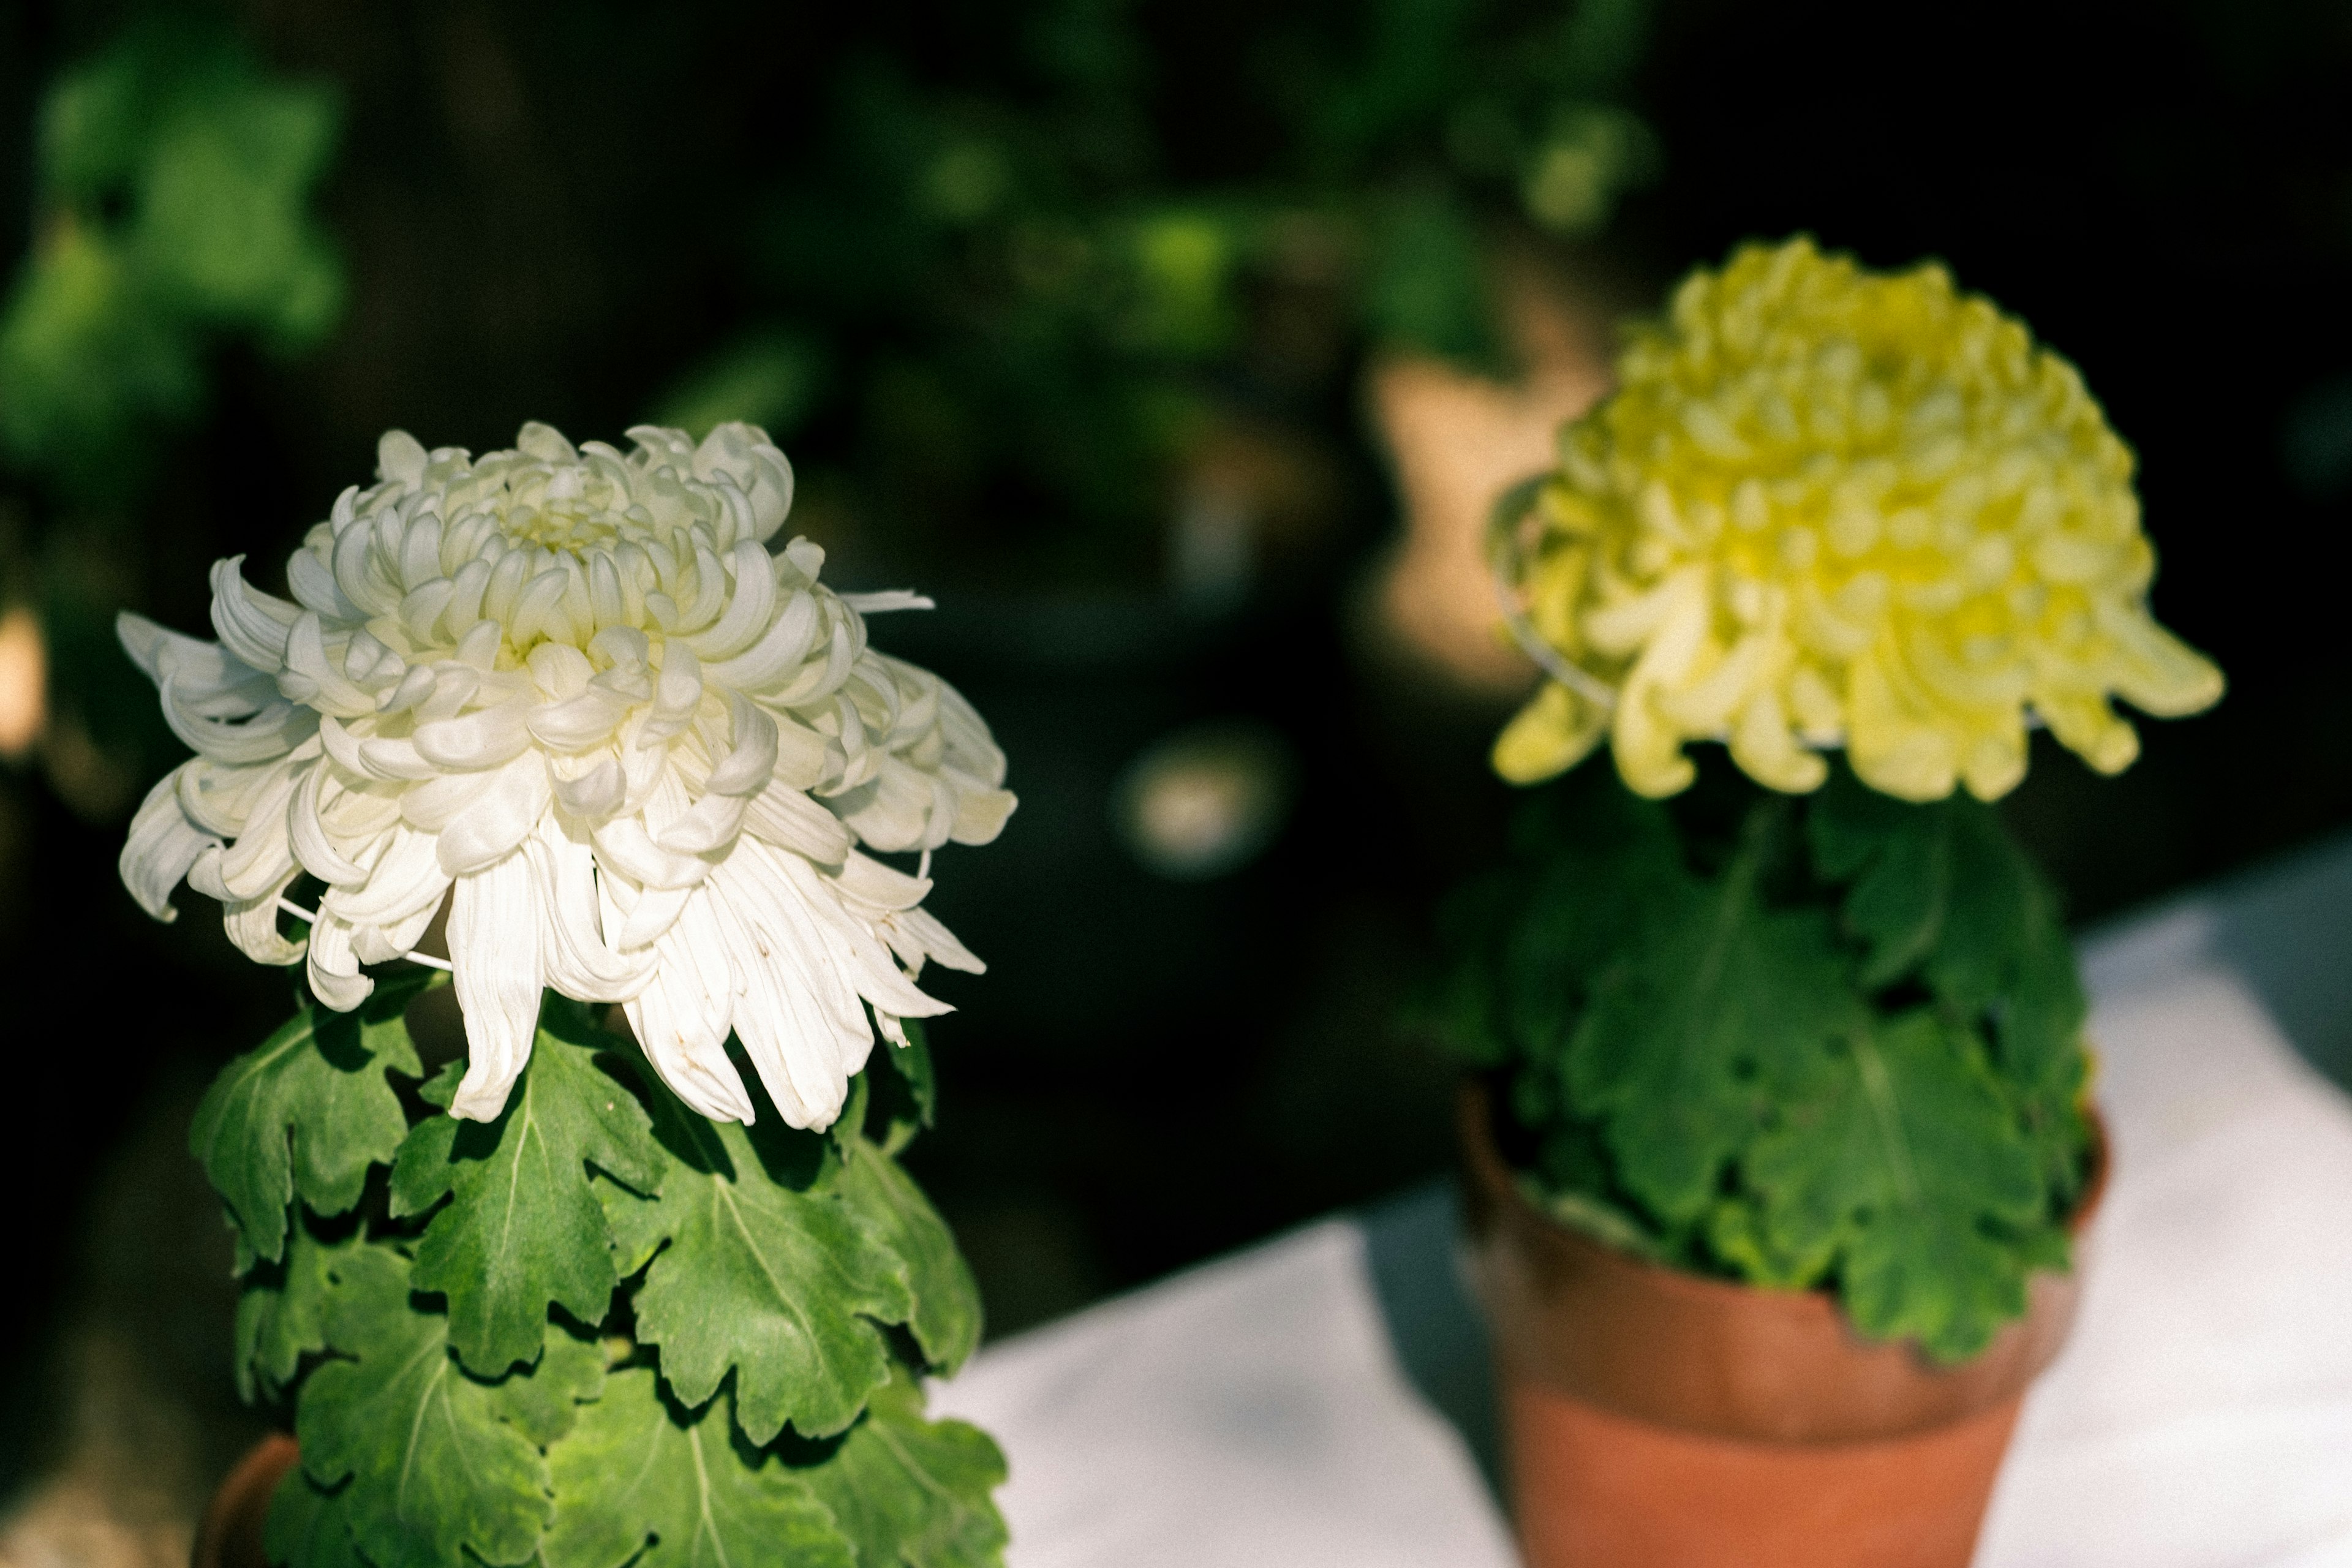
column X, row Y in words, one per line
column 2201, row 1414
column 1248, row 1411
column 1257, row 1412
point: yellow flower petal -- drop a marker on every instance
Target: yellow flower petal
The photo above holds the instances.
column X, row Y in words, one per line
column 1551, row 734
column 1827, row 507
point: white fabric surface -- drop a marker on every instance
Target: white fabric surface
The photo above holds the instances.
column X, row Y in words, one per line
column 2201, row 1414
column 1254, row 1414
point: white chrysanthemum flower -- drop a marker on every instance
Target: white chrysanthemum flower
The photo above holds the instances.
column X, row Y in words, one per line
column 572, row 693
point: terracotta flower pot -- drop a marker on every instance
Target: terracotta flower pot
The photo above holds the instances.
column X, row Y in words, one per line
column 1658, row 1419
column 230, row 1534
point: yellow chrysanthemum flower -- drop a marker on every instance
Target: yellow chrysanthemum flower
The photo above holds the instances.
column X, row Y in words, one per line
column 1827, row 507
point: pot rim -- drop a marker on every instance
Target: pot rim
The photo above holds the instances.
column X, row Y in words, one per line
column 1722, row 1357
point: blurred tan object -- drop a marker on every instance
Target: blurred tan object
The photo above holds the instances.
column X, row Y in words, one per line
column 125, row 1496
column 136, row 1417
column 1457, row 440
column 23, row 681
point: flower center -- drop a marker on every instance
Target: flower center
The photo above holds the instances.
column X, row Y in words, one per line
column 574, row 525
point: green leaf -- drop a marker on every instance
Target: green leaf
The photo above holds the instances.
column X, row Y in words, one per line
column 906, row 1093
column 433, row 1468
column 1426, row 288
column 545, row 1401
column 281, row 1313
column 632, row 1478
column 1905, row 1174
column 1528, row 943
column 307, row 1528
column 523, row 1227
column 915, row 1492
column 784, row 1284
column 946, row 1297
column 1712, row 1006
column 1943, row 891
column 308, row 1111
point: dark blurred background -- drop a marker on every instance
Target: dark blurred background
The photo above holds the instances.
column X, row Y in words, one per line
column 1176, row 350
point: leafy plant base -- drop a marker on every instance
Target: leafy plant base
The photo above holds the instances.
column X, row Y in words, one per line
column 599, row 1331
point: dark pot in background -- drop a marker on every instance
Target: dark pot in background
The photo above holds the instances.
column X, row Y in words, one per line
column 1657, row 1419
column 230, row 1534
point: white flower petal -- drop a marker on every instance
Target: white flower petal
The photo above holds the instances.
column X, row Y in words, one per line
column 682, row 1017
column 557, row 686
column 892, row 811
column 850, row 938
column 708, row 826
column 626, row 845
column 219, row 799
column 400, row 456
column 870, row 883
column 263, row 855
column 500, row 820
column 312, row 582
column 678, row 692
column 595, row 795
column 406, row 879
column 883, row 601
column 494, row 934
column 311, row 677
column 482, row 738
column 307, row 837
column 750, row 762
column 980, row 813
column 334, row 971
column 750, row 607
column 384, row 943
column 800, row 1016
column 162, row 844
column 251, row 624
column 923, row 929
column 779, row 651
column 578, row 963
column 790, row 820
column 252, row 925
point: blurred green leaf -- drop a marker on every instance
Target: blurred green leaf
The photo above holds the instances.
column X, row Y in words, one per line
column 771, row 378
column 175, row 178
column 1427, row 291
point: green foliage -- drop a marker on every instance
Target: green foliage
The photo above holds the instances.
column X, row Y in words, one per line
column 309, row 1527
column 281, row 1313
column 1902, row 1165
column 175, row 182
column 435, row 1465
column 1045, row 290
column 309, row 1110
column 635, row 1473
column 525, row 1228
column 904, row 1100
column 1708, row 1016
column 759, row 1266
column 1823, row 1043
column 946, row 1318
column 915, row 1492
column 505, row 1341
